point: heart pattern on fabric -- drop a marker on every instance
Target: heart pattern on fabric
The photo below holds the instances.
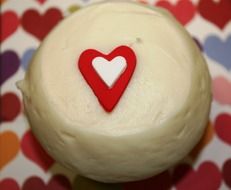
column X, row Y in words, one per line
column 9, row 65
column 223, row 127
column 207, row 176
column 217, row 12
column 219, row 50
column 40, row 25
column 9, row 147
column 10, row 107
column 34, row 151
column 91, row 64
column 57, row 182
column 9, row 24
column 221, row 90
column 9, row 184
column 184, row 11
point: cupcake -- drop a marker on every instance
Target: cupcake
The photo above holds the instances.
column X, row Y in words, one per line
column 117, row 92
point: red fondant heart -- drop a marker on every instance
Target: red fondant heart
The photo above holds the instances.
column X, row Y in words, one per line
column 9, row 184
column 57, row 182
column 10, row 107
column 207, row 176
column 217, row 12
column 39, row 25
column 223, row 127
column 9, row 24
column 184, row 10
column 34, row 151
column 108, row 97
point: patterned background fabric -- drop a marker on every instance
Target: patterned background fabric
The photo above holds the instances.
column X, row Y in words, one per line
column 23, row 162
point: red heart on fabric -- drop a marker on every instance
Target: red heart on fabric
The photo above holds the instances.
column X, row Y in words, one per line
column 10, row 107
column 9, row 22
column 95, row 67
column 223, row 127
column 40, row 25
column 34, row 151
column 217, row 12
column 57, row 182
column 184, row 10
column 207, row 176
column 9, row 184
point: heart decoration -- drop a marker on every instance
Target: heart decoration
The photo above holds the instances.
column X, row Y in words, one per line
column 219, row 50
column 207, row 176
column 223, row 127
column 39, row 25
column 9, row 184
column 9, row 65
column 9, row 147
column 9, row 22
column 226, row 172
column 26, row 58
column 217, row 12
column 222, row 90
column 184, row 11
column 57, row 182
column 34, row 151
column 108, row 75
column 10, row 107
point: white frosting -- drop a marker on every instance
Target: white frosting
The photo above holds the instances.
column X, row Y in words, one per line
column 160, row 116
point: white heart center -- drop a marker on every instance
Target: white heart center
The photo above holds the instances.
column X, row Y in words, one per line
column 109, row 71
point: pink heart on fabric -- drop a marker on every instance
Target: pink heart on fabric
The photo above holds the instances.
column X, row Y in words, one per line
column 222, row 90
column 34, row 151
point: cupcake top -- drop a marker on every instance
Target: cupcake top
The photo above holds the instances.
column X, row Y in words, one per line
column 161, row 82
column 161, row 101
